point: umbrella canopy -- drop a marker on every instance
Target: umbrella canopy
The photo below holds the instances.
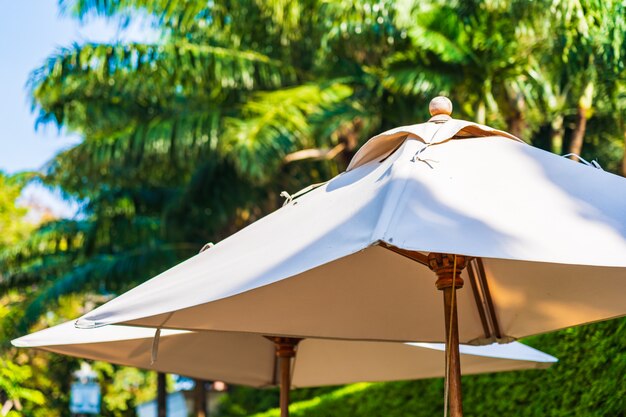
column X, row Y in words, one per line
column 544, row 240
column 248, row 359
column 539, row 239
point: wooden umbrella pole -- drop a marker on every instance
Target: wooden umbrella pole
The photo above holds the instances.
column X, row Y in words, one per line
column 285, row 351
column 452, row 354
column 448, row 269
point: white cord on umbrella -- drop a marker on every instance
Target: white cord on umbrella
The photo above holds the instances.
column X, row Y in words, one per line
column 290, row 197
column 593, row 163
column 155, row 346
column 155, row 341
column 287, row 197
column 417, row 157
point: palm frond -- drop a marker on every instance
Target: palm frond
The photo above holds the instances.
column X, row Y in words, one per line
column 354, row 31
column 173, row 13
column 108, row 272
column 36, row 270
column 412, row 74
column 50, row 238
column 212, row 205
column 439, row 31
column 50, row 251
column 90, row 87
column 274, row 124
column 165, row 150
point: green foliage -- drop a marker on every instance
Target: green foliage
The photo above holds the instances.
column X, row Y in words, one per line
column 321, row 403
column 275, row 124
column 120, row 243
column 124, row 388
column 12, row 378
column 176, row 13
column 12, row 225
column 95, row 87
column 243, row 401
column 33, row 385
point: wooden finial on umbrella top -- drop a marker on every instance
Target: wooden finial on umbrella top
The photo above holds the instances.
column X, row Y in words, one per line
column 440, row 109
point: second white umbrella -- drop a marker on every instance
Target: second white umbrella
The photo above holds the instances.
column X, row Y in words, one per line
column 258, row 361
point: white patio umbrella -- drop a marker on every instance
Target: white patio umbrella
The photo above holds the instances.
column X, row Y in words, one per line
column 539, row 239
column 254, row 360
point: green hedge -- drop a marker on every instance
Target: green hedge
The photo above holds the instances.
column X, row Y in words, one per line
column 589, row 381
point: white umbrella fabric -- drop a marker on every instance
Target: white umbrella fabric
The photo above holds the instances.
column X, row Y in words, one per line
column 250, row 359
column 539, row 240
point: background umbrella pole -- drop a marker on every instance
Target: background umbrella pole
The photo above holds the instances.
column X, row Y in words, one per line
column 285, row 383
column 200, row 403
column 448, row 269
column 285, row 351
column 161, row 395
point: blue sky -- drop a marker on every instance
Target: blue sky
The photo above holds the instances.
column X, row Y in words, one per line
column 30, row 30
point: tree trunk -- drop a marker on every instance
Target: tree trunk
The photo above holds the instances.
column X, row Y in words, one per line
column 556, row 135
column 199, row 402
column 161, row 395
column 576, row 145
column 516, row 125
column 516, row 122
column 582, row 114
column 349, row 136
column 481, row 113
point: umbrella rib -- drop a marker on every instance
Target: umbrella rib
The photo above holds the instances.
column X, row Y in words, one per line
column 275, row 367
column 482, row 277
column 480, row 305
column 293, row 365
column 412, row 255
